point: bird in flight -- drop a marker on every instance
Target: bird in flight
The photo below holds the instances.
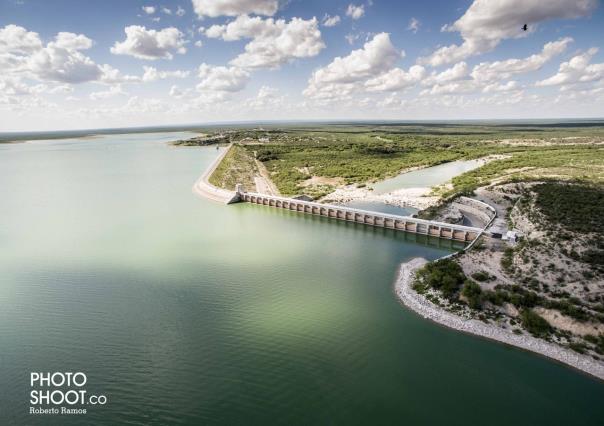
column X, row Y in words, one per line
column 525, row 27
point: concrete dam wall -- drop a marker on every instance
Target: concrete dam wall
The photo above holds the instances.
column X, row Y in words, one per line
column 382, row 220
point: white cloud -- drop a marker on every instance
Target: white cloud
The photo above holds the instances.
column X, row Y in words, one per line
column 501, row 87
column 63, row 88
column 414, row 25
column 273, row 42
column 455, row 87
column 355, row 12
column 331, row 21
column 351, row 38
column 214, row 8
column 396, row 79
column 110, row 75
column 486, row 23
column 500, row 70
column 71, row 41
column 368, row 69
column 55, row 63
column 15, row 86
column 152, row 74
column 577, row 70
column 22, row 52
column 376, row 57
column 224, row 79
column 180, row 11
column 266, row 98
column 109, row 93
column 166, row 11
column 17, row 40
column 198, row 43
column 150, row 44
column 456, row 72
column 149, row 10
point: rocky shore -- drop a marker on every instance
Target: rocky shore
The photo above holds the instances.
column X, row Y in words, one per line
column 419, row 198
column 418, row 303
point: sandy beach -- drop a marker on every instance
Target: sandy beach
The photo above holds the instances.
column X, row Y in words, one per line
column 419, row 304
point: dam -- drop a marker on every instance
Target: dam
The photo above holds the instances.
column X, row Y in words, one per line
column 455, row 232
column 371, row 218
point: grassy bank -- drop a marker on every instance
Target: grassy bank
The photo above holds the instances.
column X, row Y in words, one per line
column 238, row 166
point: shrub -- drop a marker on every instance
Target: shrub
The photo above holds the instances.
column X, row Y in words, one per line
column 481, row 276
column 444, row 275
column 473, row 293
column 535, row 324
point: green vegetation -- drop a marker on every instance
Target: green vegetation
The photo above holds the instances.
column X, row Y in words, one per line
column 481, row 276
column 365, row 153
column 238, row 166
column 473, row 293
column 578, row 208
column 201, row 140
column 535, row 324
column 444, row 275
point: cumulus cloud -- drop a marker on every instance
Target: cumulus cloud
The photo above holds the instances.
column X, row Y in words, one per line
column 273, row 42
column 331, row 21
column 61, row 60
column 214, row 8
column 578, row 69
column 454, row 73
column 355, row 12
column 486, row 23
column 377, row 56
column 499, row 70
column 71, row 41
column 396, row 79
column 18, row 40
column 224, row 79
column 150, row 44
column 149, row 10
column 372, row 65
column 152, row 74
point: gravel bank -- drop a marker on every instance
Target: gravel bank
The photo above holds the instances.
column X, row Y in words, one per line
column 428, row 310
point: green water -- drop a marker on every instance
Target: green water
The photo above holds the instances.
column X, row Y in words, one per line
column 428, row 177
column 183, row 311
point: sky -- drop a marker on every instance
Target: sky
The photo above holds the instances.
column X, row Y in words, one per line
column 69, row 64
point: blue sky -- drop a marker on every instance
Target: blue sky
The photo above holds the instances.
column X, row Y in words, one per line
column 74, row 64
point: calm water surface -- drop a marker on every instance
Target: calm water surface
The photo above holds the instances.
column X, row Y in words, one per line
column 427, row 177
column 184, row 311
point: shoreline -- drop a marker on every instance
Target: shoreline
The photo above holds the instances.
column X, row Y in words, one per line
column 428, row 310
column 418, row 198
column 204, row 189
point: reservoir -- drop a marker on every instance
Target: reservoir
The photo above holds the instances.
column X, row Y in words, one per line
column 184, row 311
